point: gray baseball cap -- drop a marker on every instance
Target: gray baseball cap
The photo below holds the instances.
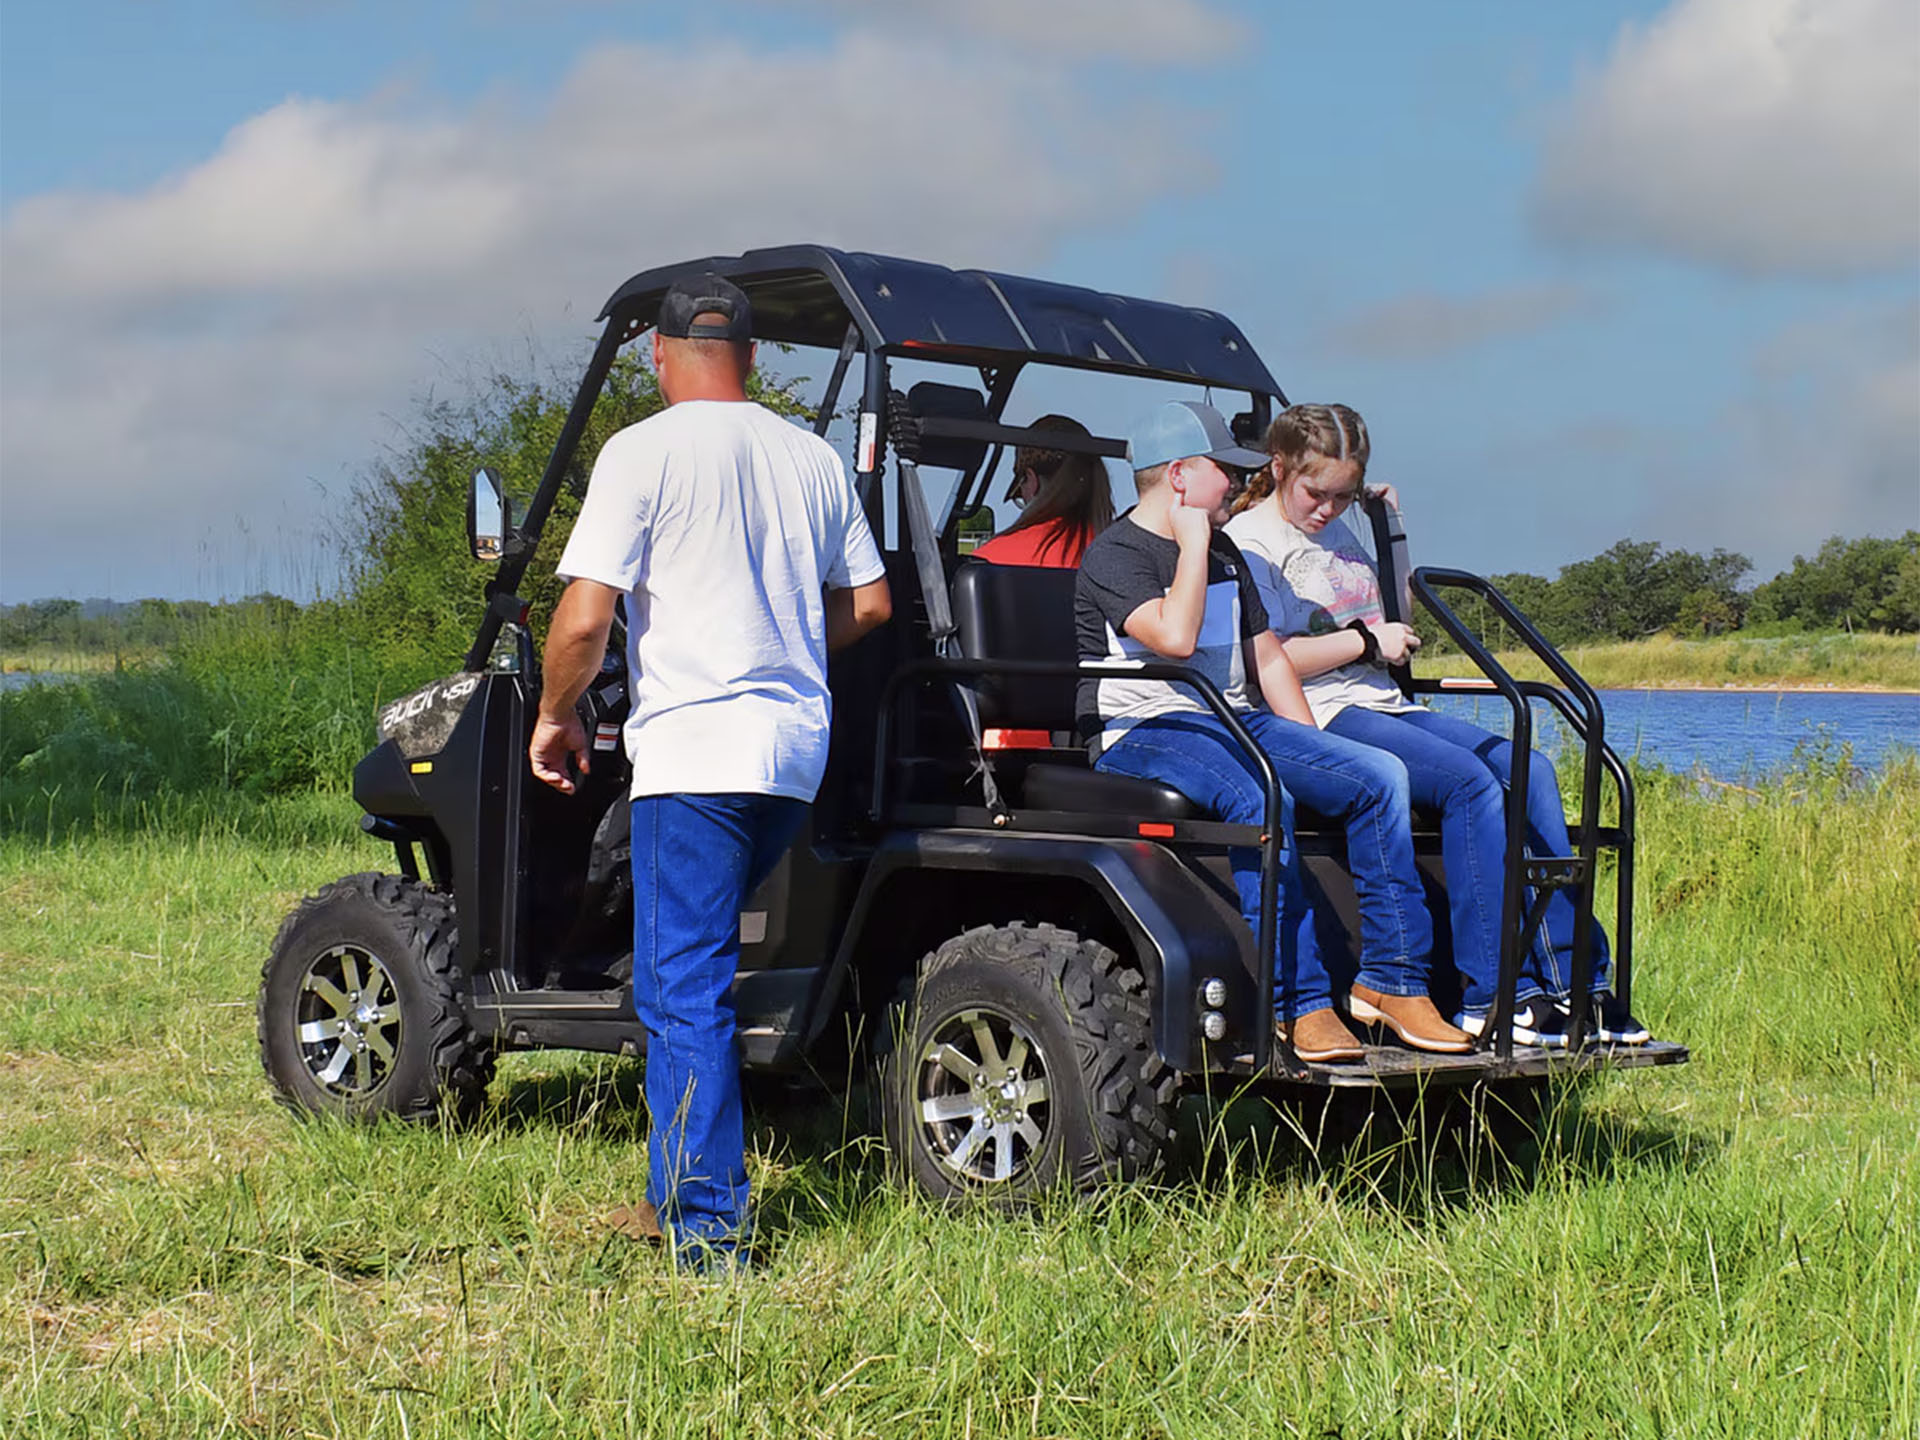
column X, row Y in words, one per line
column 1182, row 429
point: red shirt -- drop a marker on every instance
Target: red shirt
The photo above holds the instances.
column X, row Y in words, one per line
column 1063, row 546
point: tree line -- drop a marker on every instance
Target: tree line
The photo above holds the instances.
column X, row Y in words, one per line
column 1639, row 588
column 1631, row 590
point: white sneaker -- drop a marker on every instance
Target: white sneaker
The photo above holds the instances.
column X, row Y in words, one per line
column 1536, row 1021
column 1613, row 1023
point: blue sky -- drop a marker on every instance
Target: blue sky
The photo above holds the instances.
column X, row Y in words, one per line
column 1590, row 270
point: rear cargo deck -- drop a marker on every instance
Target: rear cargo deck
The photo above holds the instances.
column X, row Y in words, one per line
column 1394, row 1067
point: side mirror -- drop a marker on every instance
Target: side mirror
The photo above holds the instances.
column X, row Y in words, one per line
column 488, row 528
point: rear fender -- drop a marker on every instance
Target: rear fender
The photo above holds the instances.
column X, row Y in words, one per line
column 1176, row 923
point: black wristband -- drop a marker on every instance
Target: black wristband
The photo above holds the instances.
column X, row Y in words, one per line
column 1370, row 655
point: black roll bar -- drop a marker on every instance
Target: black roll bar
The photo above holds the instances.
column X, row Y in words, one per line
column 1619, row 838
column 849, row 347
column 503, row 589
column 1590, row 723
column 953, row 669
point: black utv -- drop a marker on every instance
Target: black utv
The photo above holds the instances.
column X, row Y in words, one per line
column 1041, row 956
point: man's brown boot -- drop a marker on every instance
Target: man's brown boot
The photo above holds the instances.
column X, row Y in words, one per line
column 638, row 1222
column 1319, row 1038
column 1411, row 1017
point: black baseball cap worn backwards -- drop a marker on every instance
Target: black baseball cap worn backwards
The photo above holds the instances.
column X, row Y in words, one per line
column 699, row 295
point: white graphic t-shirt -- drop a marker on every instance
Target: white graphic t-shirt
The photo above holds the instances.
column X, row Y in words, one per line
column 1314, row 585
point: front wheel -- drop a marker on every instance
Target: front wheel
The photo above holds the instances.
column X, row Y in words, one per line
column 360, row 1008
column 1022, row 1060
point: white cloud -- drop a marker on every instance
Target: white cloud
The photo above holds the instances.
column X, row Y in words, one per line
column 1826, row 441
column 1060, row 33
column 206, row 347
column 1762, row 136
column 1427, row 325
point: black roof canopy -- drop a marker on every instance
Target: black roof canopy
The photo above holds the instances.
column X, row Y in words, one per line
column 809, row 294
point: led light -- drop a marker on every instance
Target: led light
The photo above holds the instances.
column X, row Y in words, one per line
column 1213, row 994
column 1213, row 1025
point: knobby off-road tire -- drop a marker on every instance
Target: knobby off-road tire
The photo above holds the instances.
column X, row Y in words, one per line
column 360, row 1009
column 1019, row 1060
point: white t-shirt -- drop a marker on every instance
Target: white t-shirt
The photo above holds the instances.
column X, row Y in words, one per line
column 723, row 522
column 1313, row 585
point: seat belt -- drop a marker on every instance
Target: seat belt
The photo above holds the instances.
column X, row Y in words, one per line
column 1390, row 559
column 933, row 588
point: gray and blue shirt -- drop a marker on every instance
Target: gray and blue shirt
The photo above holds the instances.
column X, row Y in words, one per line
column 1126, row 566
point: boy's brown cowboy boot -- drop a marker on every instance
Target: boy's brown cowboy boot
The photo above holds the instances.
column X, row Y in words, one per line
column 1319, row 1038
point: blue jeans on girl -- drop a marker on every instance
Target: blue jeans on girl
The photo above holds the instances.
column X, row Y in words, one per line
column 1364, row 787
column 1463, row 771
column 696, row 859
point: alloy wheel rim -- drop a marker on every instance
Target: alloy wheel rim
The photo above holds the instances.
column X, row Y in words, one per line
column 348, row 1021
column 984, row 1097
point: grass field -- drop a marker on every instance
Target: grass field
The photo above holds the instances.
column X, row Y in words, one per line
column 1865, row 661
column 1727, row 1249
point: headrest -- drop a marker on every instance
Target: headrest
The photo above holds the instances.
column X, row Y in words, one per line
column 930, row 399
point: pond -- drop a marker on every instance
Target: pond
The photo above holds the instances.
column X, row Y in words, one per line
column 1727, row 734
column 20, row 679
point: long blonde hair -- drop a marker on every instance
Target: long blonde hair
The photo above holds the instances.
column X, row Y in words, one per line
column 1303, row 432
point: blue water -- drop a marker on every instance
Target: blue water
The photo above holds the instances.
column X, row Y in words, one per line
column 20, row 679
column 1727, row 734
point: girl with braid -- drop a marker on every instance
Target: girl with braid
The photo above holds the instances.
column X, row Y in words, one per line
column 1322, row 595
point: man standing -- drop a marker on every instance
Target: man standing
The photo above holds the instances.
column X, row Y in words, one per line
column 744, row 556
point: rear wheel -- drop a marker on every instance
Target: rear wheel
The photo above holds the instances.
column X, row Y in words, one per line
column 1023, row 1060
column 360, row 1006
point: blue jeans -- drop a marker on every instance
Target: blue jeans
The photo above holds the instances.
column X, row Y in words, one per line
column 1195, row 754
column 1463, row 771
column 696, row 859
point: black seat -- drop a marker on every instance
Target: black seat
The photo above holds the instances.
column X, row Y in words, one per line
column 1025, row 612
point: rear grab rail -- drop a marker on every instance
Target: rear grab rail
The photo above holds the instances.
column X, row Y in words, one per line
column 1580, row 706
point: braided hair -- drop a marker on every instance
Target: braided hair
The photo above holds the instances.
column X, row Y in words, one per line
column 1305, row 432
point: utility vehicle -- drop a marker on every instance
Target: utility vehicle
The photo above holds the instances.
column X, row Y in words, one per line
column 1041, row 958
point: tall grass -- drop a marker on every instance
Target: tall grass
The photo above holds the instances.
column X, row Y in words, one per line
column 1727, row 1249
column 1802, row 898
column 250, row 703
column 1868, row 661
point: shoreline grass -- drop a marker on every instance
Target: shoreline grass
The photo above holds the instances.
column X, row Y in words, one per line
column 47, row 660
column 1864, row 662
column 1729, row 1248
